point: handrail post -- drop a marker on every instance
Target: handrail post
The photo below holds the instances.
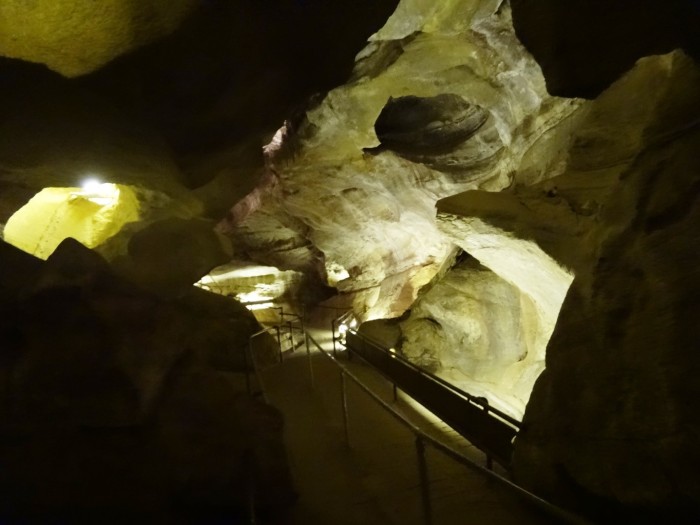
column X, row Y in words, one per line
column 291, row 335
column 247, row 359
column 333, row 333
column 279, row 341
column 424, row 481
column 308, row 356
column 344, row 399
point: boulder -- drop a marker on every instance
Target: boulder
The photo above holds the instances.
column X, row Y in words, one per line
column 117, row 405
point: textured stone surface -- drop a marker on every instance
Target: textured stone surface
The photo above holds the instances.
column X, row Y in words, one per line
column 478, row 331
column 426, row 125
column 613, row 414
column 118, row 405
column 170, row 255
column 74, row 37
column 364, row 221
column 604, row 191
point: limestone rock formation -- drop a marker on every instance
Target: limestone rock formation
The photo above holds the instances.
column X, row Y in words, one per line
column 560, row 190
column 117, row 405
column 74, row 37
column 478, row 331
column 582, row 215
column 624, row 345
column 169, row 255
column 425, row 125
column 362, row 218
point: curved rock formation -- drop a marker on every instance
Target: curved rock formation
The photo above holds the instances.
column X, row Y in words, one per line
column 365, row 223
column 423, row 125
column 75, row 37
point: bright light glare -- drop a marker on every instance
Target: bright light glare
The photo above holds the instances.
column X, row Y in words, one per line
column 259, row 306
column 343, row 328
column 98, row 192
column 91, row 186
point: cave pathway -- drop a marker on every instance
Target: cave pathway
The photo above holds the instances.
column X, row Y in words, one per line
column 376, row 479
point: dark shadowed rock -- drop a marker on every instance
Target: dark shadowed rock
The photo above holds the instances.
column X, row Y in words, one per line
column 120, row 406
column 428, row 124
column 583, row 46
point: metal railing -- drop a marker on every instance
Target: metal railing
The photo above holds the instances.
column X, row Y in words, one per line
column 476, row 400
column 422, row 439
column 488, row 428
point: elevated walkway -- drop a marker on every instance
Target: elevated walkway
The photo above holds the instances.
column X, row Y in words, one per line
column 355, row 462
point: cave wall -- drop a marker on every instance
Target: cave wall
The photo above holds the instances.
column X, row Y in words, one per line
column 118, row 405
column 445, row 98
column 478, row 331
column 583, row 46
column 602, row 189
column 338, row 202
column 74, row 37
column 624, row 341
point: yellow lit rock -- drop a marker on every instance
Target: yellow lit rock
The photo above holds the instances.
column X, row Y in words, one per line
column 75, row 37
column 55, row 214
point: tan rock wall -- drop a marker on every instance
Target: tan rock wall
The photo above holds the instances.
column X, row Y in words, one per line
column 613, row 416
column 75, row 37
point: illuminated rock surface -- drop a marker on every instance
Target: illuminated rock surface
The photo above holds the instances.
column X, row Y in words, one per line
column 613, row 414
column 75, row 37
column 338, row 202
column 478, row 331
column 444, row 107
column 56, row 213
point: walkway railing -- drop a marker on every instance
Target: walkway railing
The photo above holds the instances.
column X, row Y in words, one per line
column 490, row 429
column 422, row 440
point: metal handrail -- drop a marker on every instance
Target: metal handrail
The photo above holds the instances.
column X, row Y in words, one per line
column 422, row 438
column 475, row 400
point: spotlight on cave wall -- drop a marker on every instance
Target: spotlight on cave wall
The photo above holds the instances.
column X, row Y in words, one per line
column 90, row 214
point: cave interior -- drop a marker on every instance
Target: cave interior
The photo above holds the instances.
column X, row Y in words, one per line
column 504, row 190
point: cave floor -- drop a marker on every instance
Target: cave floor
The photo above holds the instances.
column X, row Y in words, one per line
column 376, row 479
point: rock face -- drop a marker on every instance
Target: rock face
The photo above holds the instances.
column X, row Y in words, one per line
column 624, row 344
column 478, row 331
column 585, row 206
column 450, row 103
column 556, row 190
column 427, row 125
column 116, row 404
column 54, row 214
column 75, row 37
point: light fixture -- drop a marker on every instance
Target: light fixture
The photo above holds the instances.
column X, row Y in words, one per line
column 91, row 186
column 102, row 193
